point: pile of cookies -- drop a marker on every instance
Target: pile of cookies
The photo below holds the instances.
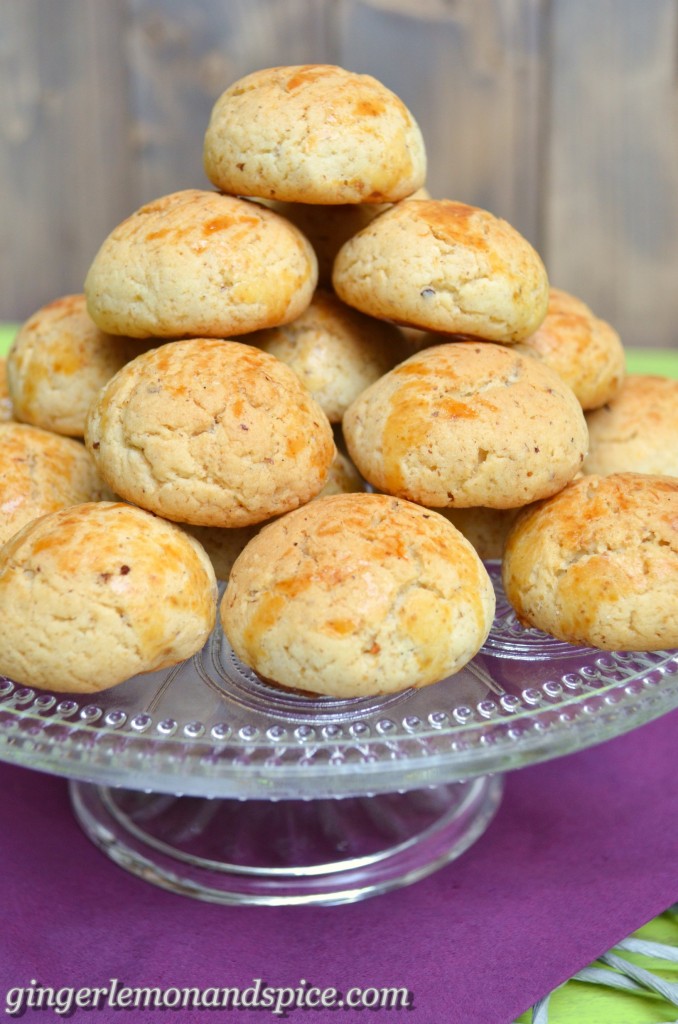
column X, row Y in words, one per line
column 244, row 360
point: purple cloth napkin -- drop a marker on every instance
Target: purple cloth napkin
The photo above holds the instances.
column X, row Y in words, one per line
column 582, row 852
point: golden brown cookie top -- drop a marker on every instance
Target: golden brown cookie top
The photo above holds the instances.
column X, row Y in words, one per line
column 58, row 362
column 465, row 424
column 597, row 563
column 196, row 263
column 583, row 349
column 41, row 472
column 314, row 133
column 445, row 266
column 99, row 592
column 209, row 432
column 637, row 430
column 357, row 594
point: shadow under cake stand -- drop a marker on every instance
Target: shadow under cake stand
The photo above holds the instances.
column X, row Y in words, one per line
column 206, row 781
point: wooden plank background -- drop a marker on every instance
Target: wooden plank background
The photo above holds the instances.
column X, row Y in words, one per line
column 559, row 115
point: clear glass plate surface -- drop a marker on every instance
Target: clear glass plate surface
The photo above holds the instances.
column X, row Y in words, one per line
column 209, row 727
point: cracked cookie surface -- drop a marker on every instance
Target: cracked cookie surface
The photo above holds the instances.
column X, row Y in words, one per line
column 358, row 594
column 466, row 424
column 597, row 564
column 199, row 264
column 313, row 133
column 444, row 266
column 583, row 349
column 209, row 432
column 335, row 350
column 94, row 594
column 636, row 431
column 58, row 362
column 41, row 472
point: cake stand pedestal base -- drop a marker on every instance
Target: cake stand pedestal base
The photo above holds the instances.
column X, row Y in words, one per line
column 286, row 852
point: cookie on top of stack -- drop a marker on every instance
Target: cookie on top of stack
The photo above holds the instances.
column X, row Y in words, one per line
column 225, row 426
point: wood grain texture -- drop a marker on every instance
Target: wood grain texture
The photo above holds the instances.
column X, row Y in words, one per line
column 182, row 57
column 559, row 115
column 471, row 73
column 65, row 157
column 611, row 216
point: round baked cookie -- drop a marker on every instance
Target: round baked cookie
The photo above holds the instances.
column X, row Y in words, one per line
column 343, row 478
column 597, row 564
column 314, row 133
column 223, row 545
column 92, row 595
column 335, row 350
column 328, row 227
column 485, row 528
column 6, row 407
column 41, row 472
column 214, row 433
column 466, row 424
column 200, row 264
column 637, row 431
column 583, row 349
column 58, row 362
column 357, row 594
column 444, row 266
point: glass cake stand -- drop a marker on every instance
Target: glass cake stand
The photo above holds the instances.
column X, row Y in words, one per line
column 207, row 781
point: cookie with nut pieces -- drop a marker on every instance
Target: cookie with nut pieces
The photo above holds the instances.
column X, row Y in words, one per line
column 41, row 472
column 445, row 266
column 597, row 564
column 313, row 133
column 200, row 264
column 94, row 594
column 58, row 362
column 357, row 594
column 209, row 432
column 467, row 424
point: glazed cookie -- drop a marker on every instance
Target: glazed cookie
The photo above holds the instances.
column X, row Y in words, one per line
column 94, row 594
column 357, row 594
column 200, row 264
column 336, row 351
column 214, row 433
column 637, row 431
column 6, row 407
column 314, row 134
column 466, row 424
column 583, row 349
column 597, row 564
column 444, row 266
column 58, row 362
column 41, row 472
column 328, row 227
